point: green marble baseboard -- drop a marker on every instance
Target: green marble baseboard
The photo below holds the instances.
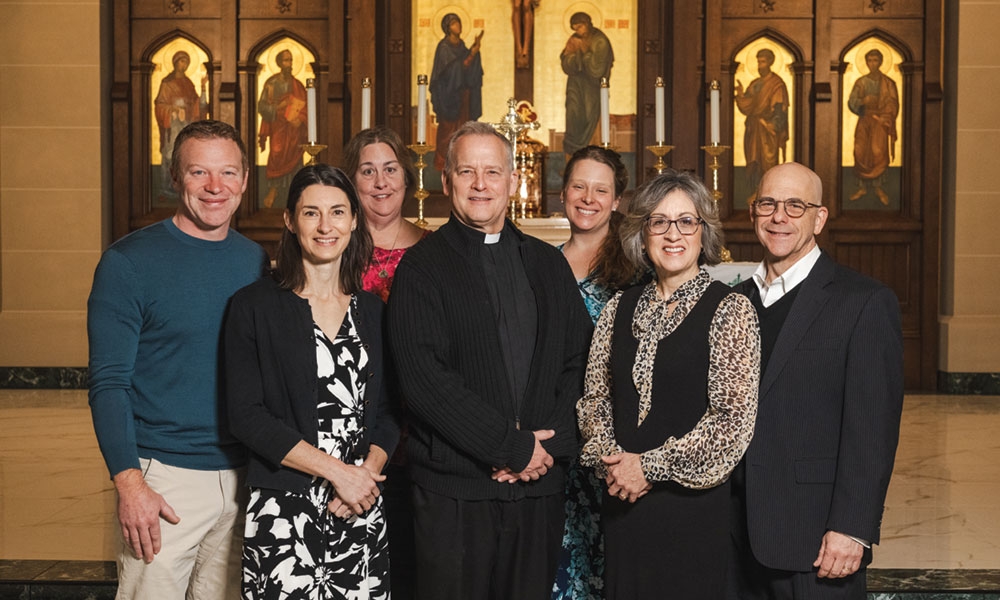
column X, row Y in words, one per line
column 96, row 580
column 43, row 378
column 968, row 383
column 75, row 378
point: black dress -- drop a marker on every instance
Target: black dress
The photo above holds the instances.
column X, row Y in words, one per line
column 673, row 542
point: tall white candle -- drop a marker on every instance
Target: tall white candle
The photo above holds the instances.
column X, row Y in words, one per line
column 366, row 103
column 605, row 112
column 421, row 109
column 311, row 109
column 714, row 95
column 660, row 128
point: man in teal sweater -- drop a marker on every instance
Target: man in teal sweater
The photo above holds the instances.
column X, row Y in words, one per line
column 154, row 321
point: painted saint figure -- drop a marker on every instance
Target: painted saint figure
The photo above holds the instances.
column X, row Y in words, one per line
column 282, row 109
column 586, row 58
column 765, row 104
column 177, row 104
column 875, row 100
column 456, row 83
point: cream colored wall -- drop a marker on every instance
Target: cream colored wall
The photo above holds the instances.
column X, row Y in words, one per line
column 970, row 279
column 50, row 178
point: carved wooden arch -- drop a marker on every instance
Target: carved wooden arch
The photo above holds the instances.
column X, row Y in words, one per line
column 770, row 33
column 163, row 39
column 881, row 34
column 255, row 50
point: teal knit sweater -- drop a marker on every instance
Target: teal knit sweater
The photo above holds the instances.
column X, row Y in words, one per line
column 154, row 321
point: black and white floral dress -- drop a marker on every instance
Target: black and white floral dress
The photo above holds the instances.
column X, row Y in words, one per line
column 293, row 546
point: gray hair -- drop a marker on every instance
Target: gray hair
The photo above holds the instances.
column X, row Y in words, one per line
column 477, row 128
column 649, row 196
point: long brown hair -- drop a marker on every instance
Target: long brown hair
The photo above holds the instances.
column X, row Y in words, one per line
column 289, row 272
column 611, row 268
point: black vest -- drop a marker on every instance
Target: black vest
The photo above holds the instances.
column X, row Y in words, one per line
column 680, row 373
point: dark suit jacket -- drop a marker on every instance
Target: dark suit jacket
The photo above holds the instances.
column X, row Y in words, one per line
column 827, row 420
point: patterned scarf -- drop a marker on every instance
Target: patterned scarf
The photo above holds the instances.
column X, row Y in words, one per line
column 651, row 323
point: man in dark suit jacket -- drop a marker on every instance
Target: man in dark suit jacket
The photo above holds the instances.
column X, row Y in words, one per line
column 808, row 497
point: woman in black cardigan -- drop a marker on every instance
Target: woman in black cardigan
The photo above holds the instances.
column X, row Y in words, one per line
column 306, row 392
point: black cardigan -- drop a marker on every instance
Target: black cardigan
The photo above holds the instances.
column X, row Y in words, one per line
column 271, row 383
column 445, row 344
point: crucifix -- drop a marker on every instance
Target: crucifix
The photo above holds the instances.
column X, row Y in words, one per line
column 511, row 126
column 523, row 23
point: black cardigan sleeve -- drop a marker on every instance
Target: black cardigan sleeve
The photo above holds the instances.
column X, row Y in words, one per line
column 251, row 405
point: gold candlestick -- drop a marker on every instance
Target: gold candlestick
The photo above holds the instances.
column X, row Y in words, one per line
column 659, row 151
column 421, row 194
column 312, row 149
column 715, row 151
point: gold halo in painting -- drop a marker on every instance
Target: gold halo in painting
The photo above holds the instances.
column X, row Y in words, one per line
column 588, row 7
column 888, row 55
column 748, row 58
column 267, row 59
column 463, row 16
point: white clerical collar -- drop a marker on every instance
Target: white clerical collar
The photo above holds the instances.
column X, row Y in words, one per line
column 786, row 282
column 492, row 238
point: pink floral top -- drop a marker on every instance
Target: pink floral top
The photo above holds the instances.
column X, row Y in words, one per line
column 378, row 278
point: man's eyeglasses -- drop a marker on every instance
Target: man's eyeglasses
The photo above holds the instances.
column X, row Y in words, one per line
column 794, row 208
column 660, row 225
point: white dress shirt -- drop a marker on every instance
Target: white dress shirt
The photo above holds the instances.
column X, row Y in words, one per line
column 786, row 282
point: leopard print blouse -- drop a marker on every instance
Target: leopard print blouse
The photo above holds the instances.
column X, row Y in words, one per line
column 705, row 456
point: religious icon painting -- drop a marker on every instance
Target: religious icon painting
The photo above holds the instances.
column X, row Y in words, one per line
column 763, row 115
column 471, row 52
column 871, row 140
column 179, row 89
column 282, row 119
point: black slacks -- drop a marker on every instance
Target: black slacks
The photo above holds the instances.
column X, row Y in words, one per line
column 486, row 549
column 750, row 580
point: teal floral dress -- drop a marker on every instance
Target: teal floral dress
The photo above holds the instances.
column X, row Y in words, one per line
column 581, row 562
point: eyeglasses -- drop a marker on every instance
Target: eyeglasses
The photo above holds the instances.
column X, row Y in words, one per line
column 660, row 225
column 794, row 208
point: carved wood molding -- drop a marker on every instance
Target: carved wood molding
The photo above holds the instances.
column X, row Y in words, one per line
column 178, row 7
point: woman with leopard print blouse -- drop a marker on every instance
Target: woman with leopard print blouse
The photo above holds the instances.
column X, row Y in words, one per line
column 670, row 400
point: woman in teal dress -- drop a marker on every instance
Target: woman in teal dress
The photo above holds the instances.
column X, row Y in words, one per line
column 593, row 185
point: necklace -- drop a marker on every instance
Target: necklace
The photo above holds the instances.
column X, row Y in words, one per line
column 382, row 272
